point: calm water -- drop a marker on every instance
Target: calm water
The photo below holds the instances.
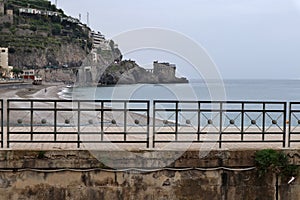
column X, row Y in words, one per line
column 237, row 90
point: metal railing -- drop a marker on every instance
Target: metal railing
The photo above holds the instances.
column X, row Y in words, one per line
column 87, row 123
column 219, row 122
column 77, row 122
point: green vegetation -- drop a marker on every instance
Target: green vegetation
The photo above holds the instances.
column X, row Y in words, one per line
column 17, row 71
column 39, row 31
column 41, row 155
column 269, row 160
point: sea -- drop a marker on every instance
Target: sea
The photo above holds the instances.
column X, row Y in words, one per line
column 228, row 90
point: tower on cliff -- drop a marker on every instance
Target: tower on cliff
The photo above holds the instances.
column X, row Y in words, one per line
column 1, row 7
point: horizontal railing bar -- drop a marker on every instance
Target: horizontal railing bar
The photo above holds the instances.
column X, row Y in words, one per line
column 223, row 102
column 217, row 141
column 76, row 109
column 76, row 133
column 80, row 101
column 75, row 142
column 218, row 133
column 218, row 110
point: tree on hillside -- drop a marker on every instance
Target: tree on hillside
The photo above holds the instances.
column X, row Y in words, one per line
column 17, row 71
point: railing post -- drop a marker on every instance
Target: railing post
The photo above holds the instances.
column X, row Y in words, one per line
column 176, row 120
column 148, row 124
column 55, row 120
column 264, row 122
column 125, row 121
column 8, row 122
column 199, row 122
column 290, row 122
column 78, row 124
column 101, row 120
column 284, row 124
column 153, row 128
column 31, row 120
column 221, row 125
column 242, row 121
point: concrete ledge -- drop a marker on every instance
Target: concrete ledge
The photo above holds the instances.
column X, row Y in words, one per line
column 81, row 159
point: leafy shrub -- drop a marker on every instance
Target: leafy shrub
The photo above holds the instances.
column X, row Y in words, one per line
column 275, row 161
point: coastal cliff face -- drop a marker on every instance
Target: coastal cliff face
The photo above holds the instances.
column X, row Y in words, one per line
column 65, row 54
column 126, row 72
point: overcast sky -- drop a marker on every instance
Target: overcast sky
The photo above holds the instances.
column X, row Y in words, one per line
column 245, row 38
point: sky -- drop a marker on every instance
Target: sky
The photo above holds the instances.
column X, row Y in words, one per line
column 246, row 39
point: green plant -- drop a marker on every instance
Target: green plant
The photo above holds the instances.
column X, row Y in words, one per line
column 41, row 155
column 275, row 161
column 56, row 29
column 17, row 71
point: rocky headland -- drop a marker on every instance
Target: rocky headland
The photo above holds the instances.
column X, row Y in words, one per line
column 129, row 72
column 61, row 48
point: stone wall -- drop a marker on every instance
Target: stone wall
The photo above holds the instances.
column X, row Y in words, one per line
column 76, row 175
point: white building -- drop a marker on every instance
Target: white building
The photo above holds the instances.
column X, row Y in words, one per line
column 99, row 41
column 4, row 57
column 38, row 12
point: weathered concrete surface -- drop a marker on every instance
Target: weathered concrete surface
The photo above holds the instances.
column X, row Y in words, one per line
column 17, row 183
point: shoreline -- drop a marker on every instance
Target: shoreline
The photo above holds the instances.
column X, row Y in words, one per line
column 45, row 91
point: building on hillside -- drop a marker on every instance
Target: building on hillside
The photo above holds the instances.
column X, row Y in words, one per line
column 28, row 74
column 10, row 12
column 34, row 11
column 99, row 41
column 10, row 16
column 6, row 17
column 4, row 58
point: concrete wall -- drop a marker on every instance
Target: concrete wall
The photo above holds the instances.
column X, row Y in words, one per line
column 18, row 180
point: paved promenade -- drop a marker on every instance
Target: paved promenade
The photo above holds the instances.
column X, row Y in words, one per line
column 91, row 139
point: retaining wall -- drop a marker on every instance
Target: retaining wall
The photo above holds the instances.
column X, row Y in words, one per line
column 76, row 175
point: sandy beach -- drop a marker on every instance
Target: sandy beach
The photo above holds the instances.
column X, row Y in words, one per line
column 45, row 91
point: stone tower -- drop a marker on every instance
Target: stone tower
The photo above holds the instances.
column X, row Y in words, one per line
column 1, row 8
column 4, row 57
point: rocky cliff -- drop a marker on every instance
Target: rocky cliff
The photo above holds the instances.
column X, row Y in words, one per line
column 126, row 72
column 67, row 54
column 129, row 72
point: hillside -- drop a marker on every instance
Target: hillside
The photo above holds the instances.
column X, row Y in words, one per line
column 38, row 34
column 62, row 49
